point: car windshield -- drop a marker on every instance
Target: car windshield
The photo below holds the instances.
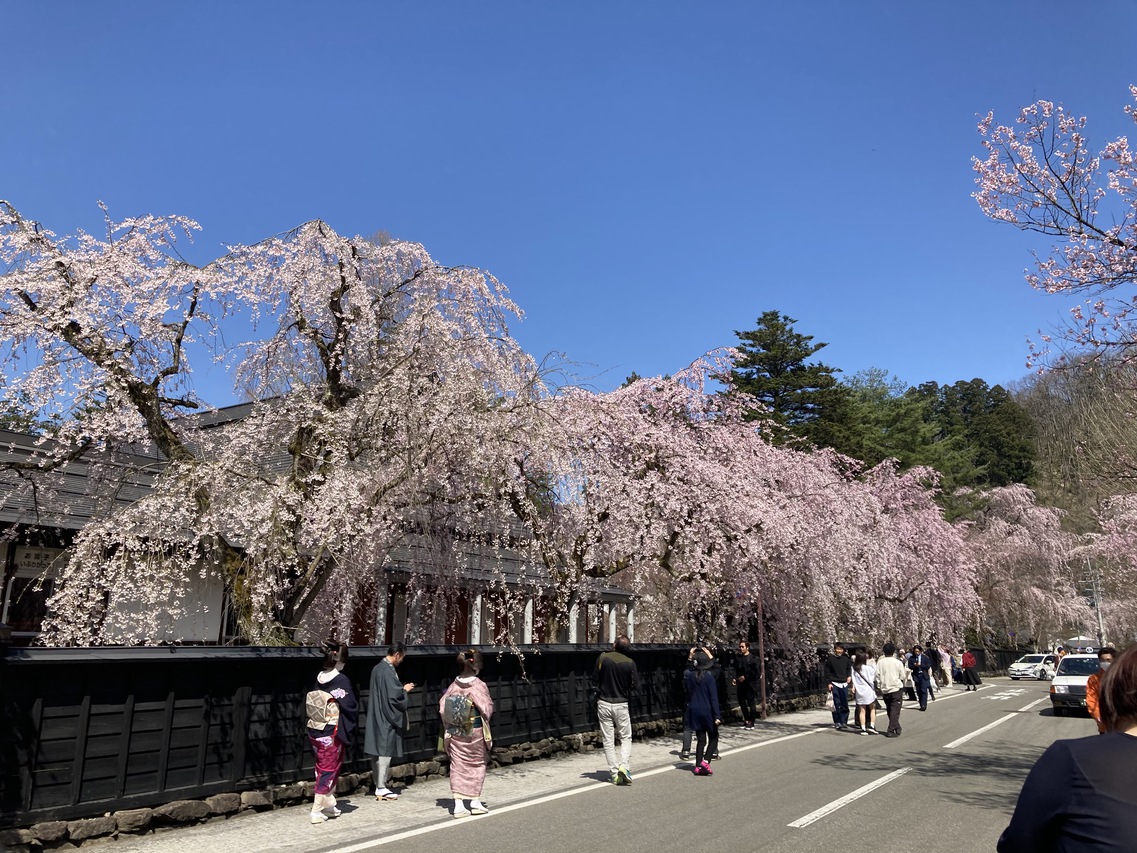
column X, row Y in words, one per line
column 1078, row 666
column 1030, row 659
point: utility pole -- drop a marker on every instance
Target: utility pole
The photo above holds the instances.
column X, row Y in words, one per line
column 1094, row 579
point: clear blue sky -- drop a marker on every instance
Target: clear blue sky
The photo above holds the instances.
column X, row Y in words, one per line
column 644, row 177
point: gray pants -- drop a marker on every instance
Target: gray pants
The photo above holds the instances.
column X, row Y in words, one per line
column 615, row 720
column 380, row 768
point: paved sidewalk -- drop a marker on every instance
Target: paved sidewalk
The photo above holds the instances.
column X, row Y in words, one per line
column 424, row 804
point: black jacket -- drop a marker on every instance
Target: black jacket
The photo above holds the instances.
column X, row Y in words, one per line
column 838, row 668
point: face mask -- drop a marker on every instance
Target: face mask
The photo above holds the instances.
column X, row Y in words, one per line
column 1104, row 664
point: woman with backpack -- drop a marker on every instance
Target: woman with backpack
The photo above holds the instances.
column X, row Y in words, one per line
column 466, row 709
column 332, row 712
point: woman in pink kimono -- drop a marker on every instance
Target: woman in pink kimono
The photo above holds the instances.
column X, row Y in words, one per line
column 466, row 709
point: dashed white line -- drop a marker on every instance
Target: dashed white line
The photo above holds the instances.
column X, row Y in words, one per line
column 997, row 722
column 848, row 798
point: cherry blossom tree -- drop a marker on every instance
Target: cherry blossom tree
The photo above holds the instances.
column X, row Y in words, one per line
column 386, row 387
column 388, row 404
column 665, row 488
column 1028, row 568
column 1041, row 174
column 1112, row 555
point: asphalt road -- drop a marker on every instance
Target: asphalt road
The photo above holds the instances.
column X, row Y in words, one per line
column 792, row 784
column 949, row 783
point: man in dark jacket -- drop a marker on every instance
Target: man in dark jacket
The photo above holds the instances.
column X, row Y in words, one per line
column 746, row 681
column 838, row 675
column 616, row 677
column 921, row 664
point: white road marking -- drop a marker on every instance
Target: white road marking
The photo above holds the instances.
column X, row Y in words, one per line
column 997, row 722
column 548, row 798
column 848, row 798
column 1004, row 695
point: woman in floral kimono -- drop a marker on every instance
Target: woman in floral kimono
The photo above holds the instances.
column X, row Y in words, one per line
column 466, row 709
column 332, row 712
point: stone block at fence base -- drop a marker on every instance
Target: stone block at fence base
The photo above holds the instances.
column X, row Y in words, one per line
column 223, row 803
column 255, row 800
column 182, row 811
column 92, row 827
column 133, row 820
column 427, row 768
column 50, row 830
column 285, row 794
column 402, row 771
column 16, row 836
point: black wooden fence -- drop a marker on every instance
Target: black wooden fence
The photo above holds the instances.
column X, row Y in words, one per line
column 87, row 731
column 93, row 730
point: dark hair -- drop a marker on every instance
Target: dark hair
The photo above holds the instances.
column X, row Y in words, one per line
column 623, row 643
column 334, row 652
column 1107, row 650
column 1118, row 692
column 396, row 649
column 889, row 649
column 703, row 663
column 744, row 643
column 838, row 646
column 469, row 660
column 859, row 660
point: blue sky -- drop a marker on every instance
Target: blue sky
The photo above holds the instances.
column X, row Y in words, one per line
column 644, row 177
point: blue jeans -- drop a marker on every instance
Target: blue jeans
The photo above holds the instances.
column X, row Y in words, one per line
column 840, row 705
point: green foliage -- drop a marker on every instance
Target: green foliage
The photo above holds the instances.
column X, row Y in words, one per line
column 18, row 416
column 974, row 435
column 987, row 438
column 773, row 366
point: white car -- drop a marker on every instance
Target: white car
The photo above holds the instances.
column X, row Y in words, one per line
column 1068, row 688
column 1034, row 666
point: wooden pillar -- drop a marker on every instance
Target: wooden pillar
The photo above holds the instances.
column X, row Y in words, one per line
column 476, row 607
column 527, row 624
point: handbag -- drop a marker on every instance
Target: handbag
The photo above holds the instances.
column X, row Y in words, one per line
column 829, row 706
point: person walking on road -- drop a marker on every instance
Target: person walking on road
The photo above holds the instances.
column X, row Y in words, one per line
column 466, row 709
column 1106, row 654
column 386, row 718
column 332, row 714
column 838, row 675
column 920, row 666
column 703, row 714
column 970, row 673
column 864, row 689
column 746, row 682
column 890, row 675
column 616, row 677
